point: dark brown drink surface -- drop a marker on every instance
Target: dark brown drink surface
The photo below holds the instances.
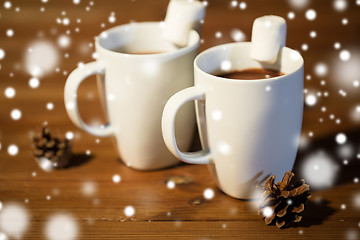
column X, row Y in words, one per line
column 252, row 74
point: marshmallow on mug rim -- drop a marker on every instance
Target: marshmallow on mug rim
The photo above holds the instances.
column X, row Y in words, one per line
column 181, row 17
column 268, row 37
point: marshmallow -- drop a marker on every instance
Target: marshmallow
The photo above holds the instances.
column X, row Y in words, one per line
column 181, row 17
column 268, row 37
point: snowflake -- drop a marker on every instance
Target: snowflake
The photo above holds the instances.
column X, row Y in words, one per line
column 13, row 150
column 341, row 138
column 299, row 4
column 14, row 220
column 7, row 5
column 69, row 135
column 310, row 100
column 15, row 114
column 237, row 35
column 319, row 170
column 321, row 69
column 208, row 193
column 291, row 15
column 64, row 41
column 116, row 178
column 34, row 82
column 310, row 14
column 9, row 92
column 9, row 32
column 340, row 5
column 61, row 227
column 242, row 5
column 129, row 211
column 344, row 55
column 2, row 53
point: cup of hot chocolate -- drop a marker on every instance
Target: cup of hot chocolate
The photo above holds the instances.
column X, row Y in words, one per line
column 141, row 71
column 249, row 115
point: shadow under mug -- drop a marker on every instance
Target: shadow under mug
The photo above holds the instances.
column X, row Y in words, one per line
column 249, row 129
column 141, row 72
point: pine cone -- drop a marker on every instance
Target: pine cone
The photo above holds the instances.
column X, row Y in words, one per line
column 283, row 202
column 51, row 152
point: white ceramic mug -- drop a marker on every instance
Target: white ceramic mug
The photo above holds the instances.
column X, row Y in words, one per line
column 249, row 128
column 137, row 86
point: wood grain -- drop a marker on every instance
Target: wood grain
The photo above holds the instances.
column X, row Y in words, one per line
column 162, row 213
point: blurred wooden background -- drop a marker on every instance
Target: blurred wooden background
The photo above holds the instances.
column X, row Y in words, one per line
column 162, row 213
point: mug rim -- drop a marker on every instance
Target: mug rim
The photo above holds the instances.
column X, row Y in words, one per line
column 193, row 43
column 231, row 45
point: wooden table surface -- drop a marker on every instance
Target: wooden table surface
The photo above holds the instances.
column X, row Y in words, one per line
column 86, row 192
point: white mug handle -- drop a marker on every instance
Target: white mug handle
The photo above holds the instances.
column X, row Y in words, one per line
column 168, row 125
column 71, row 87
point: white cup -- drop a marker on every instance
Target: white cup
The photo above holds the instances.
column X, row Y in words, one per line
column 137, row 87
column 249, row 129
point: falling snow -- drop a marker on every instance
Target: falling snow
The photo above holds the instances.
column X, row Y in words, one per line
column 319, row 170
column 291, row 15
column 41, row 58
column 170, row 184
column 64, row 41
column 2, row 53
column 49, row 106
column 116, row 178
column 34, row 82
column 237, row 35
column 3, row 236
column 208, row 193
column 356, row 200
column 340, row 5
column 310, row 14
column 14, row 220
column 304, row 47
column 13, row 150
column 65, row 21
column 356, row 83
column 313, row 34
column 344, row 55
column 310, row 100
column 15, row 114
column 225, row 65
column 341, row 138
column 337, row 45
column 218, row 34
column 223, row 148
column 233, row 4
column 267, row 212
column 9, row 92
column 242, row 5
column 61, row 227
column 88, row 188
column 299, row 4
column 129, row 211
column 7, row 4
column 321, row 69
column 69, row 135
column 216, row 115
column 9, row 32
column 112, row 18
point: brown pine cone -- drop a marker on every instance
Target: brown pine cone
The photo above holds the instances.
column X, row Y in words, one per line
column 283, row 202
column 51, row 152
